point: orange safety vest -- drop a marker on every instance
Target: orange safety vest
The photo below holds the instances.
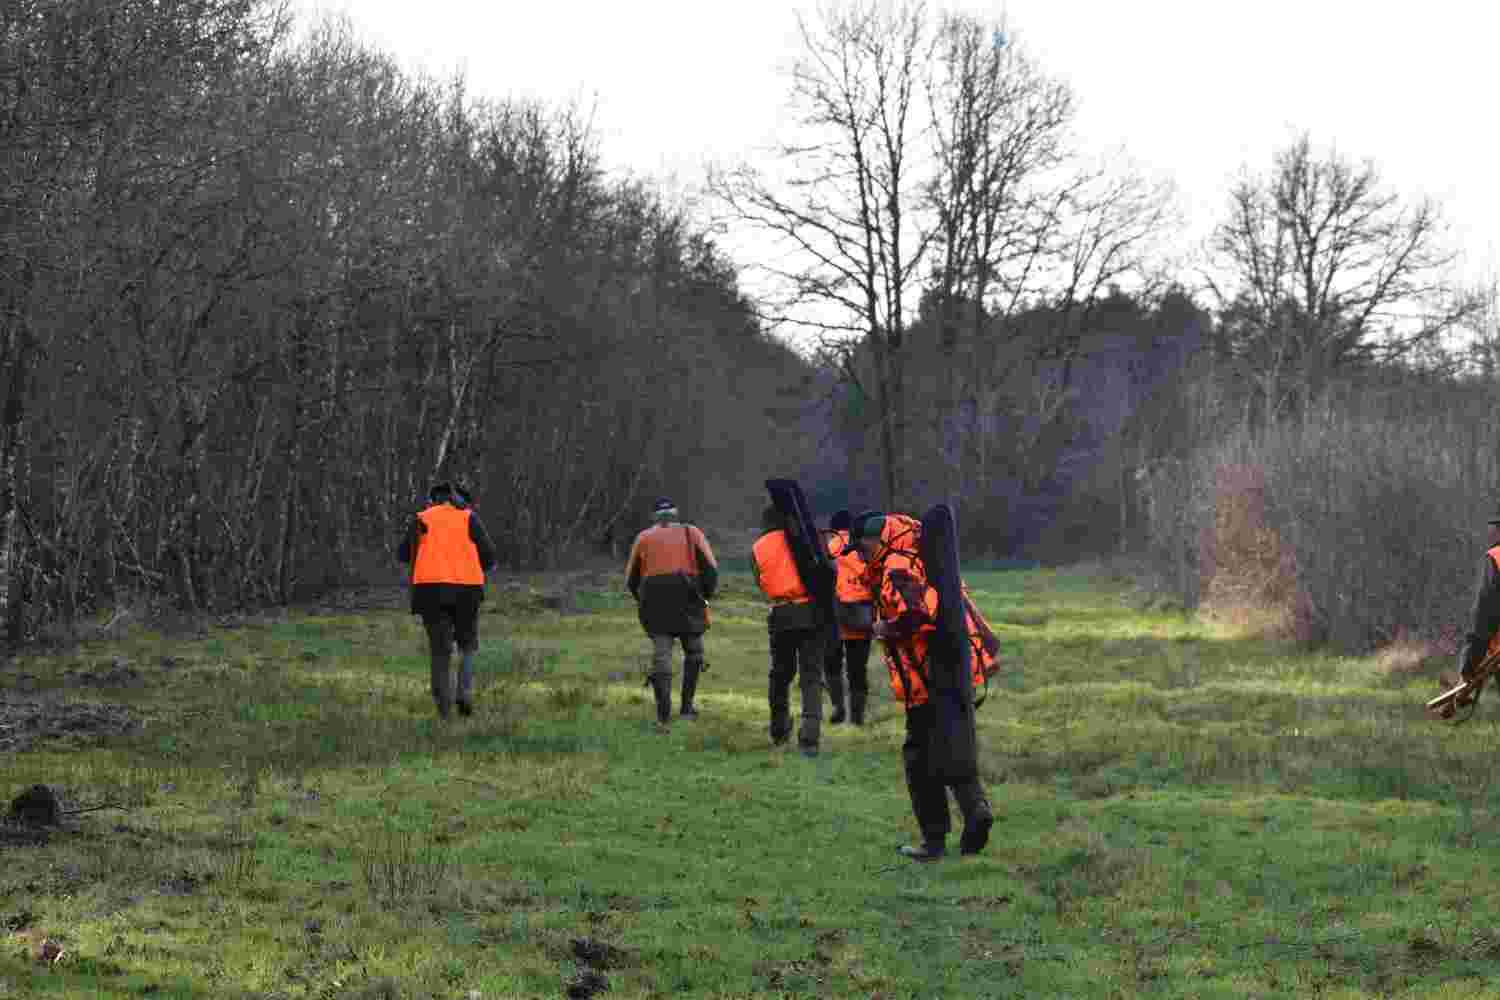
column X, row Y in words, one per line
column 667, row 549
column 777, row 570
column 852, row 587
column 445, row 552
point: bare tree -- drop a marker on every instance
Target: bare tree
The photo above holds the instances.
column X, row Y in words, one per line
column 1320, row 268
column 1000, row 136
column 1024, row 223
column 253, row 293
column 846, row 200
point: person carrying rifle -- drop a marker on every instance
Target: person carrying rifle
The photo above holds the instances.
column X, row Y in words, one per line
column 796, row 634
column 906, row 609
column 672, row 574
column 851, row 653
column 449, row 552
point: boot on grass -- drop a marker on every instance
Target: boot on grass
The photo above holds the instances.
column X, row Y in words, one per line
column 924, row 853
column 978, row 818
column 690, row 671
column 661, row 687
column 836, row 694
column 442, row 686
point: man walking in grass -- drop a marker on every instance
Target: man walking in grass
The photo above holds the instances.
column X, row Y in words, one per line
column 906, row 610
column 850, row 655
column 672, row 574
column 449, row 552
column 796, row 634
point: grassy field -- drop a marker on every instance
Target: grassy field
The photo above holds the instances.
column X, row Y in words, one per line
column 1183, row 813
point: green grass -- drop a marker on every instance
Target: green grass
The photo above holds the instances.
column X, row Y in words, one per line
column 1183, row 813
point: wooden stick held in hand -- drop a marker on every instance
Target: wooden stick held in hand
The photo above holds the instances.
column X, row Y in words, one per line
column 1464, row 694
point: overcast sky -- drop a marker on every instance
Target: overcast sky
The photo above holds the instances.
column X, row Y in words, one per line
column 1192, row 89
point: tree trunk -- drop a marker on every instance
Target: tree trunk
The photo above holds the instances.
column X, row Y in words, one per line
column 286, row 559
column 896, row 458
column 883, row 403
column 12, row 444
column 12, row 468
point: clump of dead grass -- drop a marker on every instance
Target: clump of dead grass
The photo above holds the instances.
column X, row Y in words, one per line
column 1409, row 656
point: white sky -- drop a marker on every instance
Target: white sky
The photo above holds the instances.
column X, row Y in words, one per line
column 1191, row 89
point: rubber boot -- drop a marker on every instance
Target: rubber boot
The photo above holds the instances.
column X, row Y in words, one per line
column 466, row 684
column 781, row 714
column 857, row 707
column 690, row 671
column 442, row 690
column 810, row 663
column 836, row 692
column 661, row 686
column 928, row 851
column 978, row 817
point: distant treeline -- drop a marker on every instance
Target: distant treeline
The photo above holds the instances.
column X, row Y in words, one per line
column 257, row 292
column 258, row 289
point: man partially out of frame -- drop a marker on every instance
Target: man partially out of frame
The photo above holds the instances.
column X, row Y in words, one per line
column 1483, row 636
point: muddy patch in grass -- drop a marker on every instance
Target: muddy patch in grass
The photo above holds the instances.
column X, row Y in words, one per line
column 27, row 721
column 14, row 833
column 986, row 902
column 794, row 976
column 118, row 672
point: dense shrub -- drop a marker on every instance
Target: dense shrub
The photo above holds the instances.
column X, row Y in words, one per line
column 1360, row 522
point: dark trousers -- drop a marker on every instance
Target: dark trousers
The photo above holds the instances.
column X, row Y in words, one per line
column 929, row 797
column 851, row 656
column 452, row 618
column 795, row 651
column 661, row 654
column 660, row 677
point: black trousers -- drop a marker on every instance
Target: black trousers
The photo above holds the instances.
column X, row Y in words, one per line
column 451, row 615
column 849, row 657
column 929, row 796
column 795, row 651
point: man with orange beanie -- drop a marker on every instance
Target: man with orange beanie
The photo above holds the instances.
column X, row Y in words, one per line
column 906, row 621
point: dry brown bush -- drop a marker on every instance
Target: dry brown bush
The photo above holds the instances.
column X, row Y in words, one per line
column 1358, row 523
column 1247, row 572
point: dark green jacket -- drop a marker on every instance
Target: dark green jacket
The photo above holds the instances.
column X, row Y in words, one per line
column 1485, row 617
column 673, row 575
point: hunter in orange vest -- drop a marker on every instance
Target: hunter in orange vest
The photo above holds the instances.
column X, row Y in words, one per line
column 672, row 574
column 448, row 551
column 906, row 607
column 796, row 635
column 856, row 614
column 1483, row 637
